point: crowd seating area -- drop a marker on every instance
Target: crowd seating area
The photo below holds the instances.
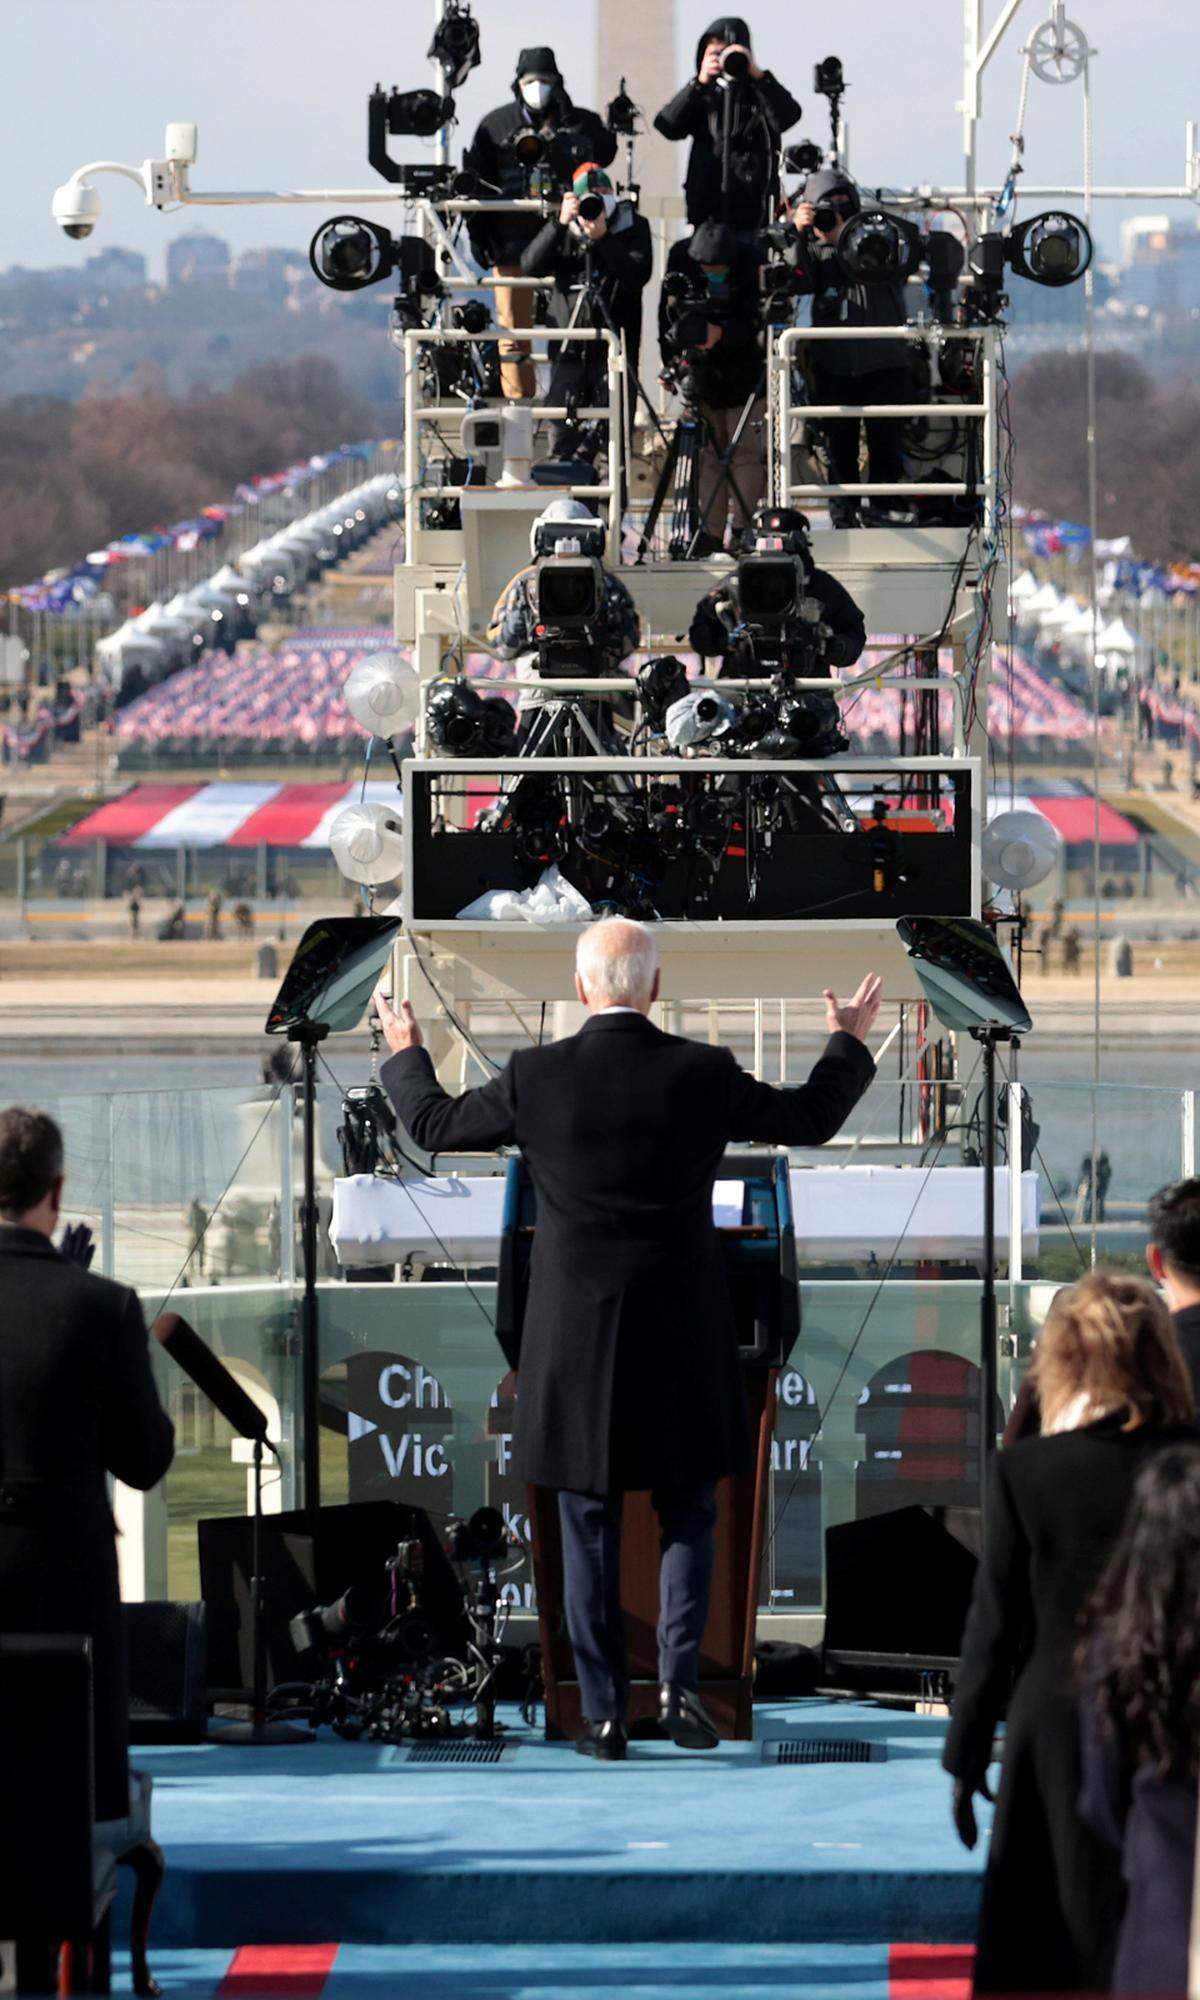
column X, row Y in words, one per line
column 262, row 703
column 285, row 704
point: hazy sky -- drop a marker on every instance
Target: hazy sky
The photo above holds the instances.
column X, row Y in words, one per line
column 278, row 88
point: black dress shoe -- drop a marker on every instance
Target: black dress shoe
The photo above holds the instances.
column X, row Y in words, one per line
column 682, row 1715
column 606, row 1741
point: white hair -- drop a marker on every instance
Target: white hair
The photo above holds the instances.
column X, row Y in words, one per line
column 616, row 960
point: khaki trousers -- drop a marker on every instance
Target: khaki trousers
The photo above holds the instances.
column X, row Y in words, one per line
column 514, row 308
column 739, row 494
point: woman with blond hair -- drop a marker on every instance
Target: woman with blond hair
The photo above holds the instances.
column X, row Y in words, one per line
column 1113, row 1391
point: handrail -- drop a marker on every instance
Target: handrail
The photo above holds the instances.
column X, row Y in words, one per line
column 415, row 492
column 782, row 409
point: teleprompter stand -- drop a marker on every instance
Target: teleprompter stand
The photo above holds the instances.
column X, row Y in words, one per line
column 971, row 990
column 760, row 1259
column 326, row 988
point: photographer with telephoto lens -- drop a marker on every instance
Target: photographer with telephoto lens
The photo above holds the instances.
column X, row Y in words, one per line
column 735, row 114
column 710, row 336
column 849, row 371
column 503, row 154
column 599, row 252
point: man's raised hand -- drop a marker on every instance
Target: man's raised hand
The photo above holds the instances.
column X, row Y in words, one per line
column 400, row 1031
column 857, row 1017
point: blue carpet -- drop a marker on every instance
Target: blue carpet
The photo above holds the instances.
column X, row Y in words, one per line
column 572, row 1972
column 348, row 1842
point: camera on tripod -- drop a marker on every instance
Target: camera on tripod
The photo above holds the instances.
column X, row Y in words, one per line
column 460, row 722
column 688, row 312
column 567, row 595
column 780, row 622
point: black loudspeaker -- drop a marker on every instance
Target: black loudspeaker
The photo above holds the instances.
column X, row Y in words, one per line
column 46, row 1792
column 168, row 1678
column 352, row 1546
column 897, row 1589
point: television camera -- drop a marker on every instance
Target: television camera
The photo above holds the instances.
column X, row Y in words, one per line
column 776, row 625
column 391, row 1666
column 567, row 596
column 689, row 311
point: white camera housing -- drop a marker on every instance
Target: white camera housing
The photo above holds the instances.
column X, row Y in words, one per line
column 76, row 208
column 180, row 144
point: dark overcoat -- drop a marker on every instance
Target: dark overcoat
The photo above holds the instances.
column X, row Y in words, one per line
column 628, row 1371
column 1052, row 1894
column 1149, row 1818
column 77, row 1401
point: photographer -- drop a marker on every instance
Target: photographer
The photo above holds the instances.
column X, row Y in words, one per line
column 820, row 627
column 708, row 329
column 730, row 94
column 850, row 371
column 569, row 134
column 599, row 252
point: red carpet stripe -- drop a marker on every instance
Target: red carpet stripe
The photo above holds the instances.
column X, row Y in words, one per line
column 291, row 1971
column 930, row 1971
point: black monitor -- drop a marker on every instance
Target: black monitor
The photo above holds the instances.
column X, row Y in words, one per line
column 334, row 971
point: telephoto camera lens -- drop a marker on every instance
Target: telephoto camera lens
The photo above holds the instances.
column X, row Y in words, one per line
column 591, row 207
column 735, row 64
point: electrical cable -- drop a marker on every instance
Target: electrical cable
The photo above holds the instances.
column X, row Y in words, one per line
column 451, row 1261
column 283, row 1085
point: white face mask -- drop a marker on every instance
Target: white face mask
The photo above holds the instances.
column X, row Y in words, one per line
column 536, row 92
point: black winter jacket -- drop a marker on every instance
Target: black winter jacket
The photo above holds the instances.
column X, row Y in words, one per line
column 733, row 369
column 838, row 301
column 500, row 239
column 621, row 264
column 716, row 616
column 761, row 111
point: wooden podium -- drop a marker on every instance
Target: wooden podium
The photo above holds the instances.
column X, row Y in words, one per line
column 727, row 1652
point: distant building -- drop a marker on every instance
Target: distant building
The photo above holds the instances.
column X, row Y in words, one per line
column 269, row 273
column 114, row 269
column 198, row 259
column 1161, row 258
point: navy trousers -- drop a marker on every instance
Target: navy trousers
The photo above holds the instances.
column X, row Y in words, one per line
column 591, row 1538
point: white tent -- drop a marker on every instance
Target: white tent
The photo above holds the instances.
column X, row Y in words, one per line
column 1024, row 586
column 1065, row 612
column 1117, row 638
column 1042, row 600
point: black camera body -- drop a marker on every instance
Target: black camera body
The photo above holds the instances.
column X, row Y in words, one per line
column 460, row 722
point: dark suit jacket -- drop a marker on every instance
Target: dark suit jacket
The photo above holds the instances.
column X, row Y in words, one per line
column 629, row 1374
column 1187, row 1332
column 77, row 1401
column 1052, row 1893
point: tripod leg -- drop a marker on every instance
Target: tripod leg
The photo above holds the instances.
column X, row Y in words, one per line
column 665, row 482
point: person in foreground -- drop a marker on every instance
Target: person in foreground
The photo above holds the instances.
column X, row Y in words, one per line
column 628, row 1375
column 77, row 1401
column 1113, row 1392
column 1140, row 1665
column 1173, row 1254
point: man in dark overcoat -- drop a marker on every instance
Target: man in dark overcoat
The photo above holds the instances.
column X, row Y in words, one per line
column 77, row 1402
column 628, row 1372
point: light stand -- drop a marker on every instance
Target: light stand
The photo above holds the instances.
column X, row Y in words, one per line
column 309, row 1035
column 989, row 1036
column 326, row 988
column 969, row 986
